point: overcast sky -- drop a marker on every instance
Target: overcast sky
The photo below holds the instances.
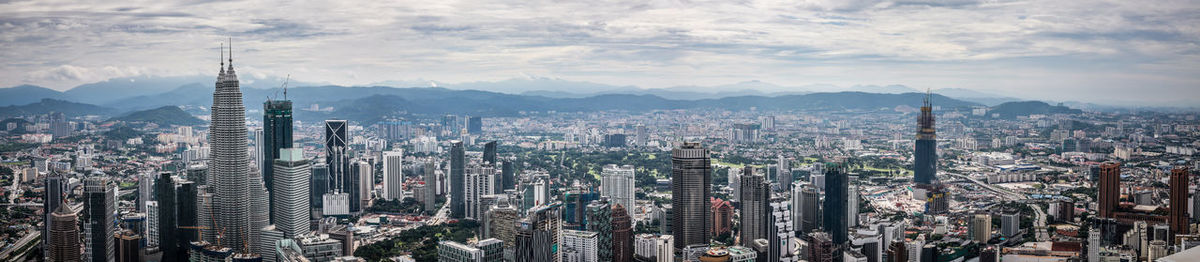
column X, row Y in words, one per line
column 1118, row 52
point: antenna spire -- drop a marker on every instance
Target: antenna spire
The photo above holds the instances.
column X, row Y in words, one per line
column 285, row 82
column 222, row 60
column 230, row 51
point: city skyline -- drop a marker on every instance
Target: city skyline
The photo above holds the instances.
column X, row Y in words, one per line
column 1106, row 53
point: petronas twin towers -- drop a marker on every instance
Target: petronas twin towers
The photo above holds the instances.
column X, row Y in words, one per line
column 229, row 161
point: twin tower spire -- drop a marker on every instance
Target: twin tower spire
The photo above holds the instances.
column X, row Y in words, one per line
column 222, row 74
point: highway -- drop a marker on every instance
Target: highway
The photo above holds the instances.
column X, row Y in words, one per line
column 34, row 234
column 1039, row 223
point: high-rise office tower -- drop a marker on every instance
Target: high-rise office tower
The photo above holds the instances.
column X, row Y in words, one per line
column 478, row 182
column 291, row 200
column 364, row 179
column 836, row 185
column 580, row 246
column 780, row 231
column 393, row 174
column 925, row 156
column 691, row 178
column 318, row 184
column 538, row 234
column 756, row 193
column 99, row 213
column 822, row 248
column 474, row 125
column 806, row 205
column 173, row 246
column 508, row 173
column 277, row 134
column 229, row 161
column 63, row 238
column 980, row 228
column 458, row 167
column 56, row 193
column 1178, row 218
column 1010, row 223
column 622, row 234
column 852, row 203
column 722, row 212
column 450, row 124
column 1108, row 193
column 600, row 221
column 489, row 152
column 187, row 212
column 145, row 190
column 641, row 136
column 337, row 159
column 616, row 183
column 783, row 174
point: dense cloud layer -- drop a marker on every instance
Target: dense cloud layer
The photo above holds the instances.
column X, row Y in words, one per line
column 1119, row 52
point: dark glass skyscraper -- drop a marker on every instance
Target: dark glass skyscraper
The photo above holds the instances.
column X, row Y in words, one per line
column 458, row 165
column 836, row 200
column 691, row 188
column 98, row 217
column 173, row 248
column 489, row 152
column 319, row 184
column 925, row 156
column 507, row 175
column 474, row 125
column 600, row 214
column 277, row 134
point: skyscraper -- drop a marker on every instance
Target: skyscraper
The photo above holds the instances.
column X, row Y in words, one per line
column 63, row 238
column 622, row 234
column 99, row 214
column 756, row 193
column 600, row 221
column 364, row 180
column 538, row 234
column 580, row 246
column 393, row 174
column 1109, row 191
column 691, row 178
column 169, row 241
column 291, row 200
column 834, row 218
column 1178, row 218
column 229, row 161
column 616, row 183
column 806, row 205
column 318, row 184
column 508, row 173
column 56, row 190
column 780, row 231
column 277, row 134
column 1010, row 223
column 474, row 125
column 188, row 212
column 980, row 228
column 489, row 152
column 925, row 156
column 478, row 182
column 458, row 166
column 337, row 159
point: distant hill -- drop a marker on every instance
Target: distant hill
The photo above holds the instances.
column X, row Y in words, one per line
column 53, row 105
column 26, row 94
column 1026, row 108
column 435, row 101
column 162, row 116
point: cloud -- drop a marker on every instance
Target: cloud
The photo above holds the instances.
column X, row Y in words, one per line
column 1031, row 49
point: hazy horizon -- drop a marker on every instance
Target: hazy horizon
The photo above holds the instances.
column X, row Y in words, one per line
column 1114, row 53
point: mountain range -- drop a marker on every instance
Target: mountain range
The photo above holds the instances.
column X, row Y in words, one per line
column 373, row 103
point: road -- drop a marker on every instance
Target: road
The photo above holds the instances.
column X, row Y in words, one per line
column 1004, row 193
column 1039, row 224
column 20, row 243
